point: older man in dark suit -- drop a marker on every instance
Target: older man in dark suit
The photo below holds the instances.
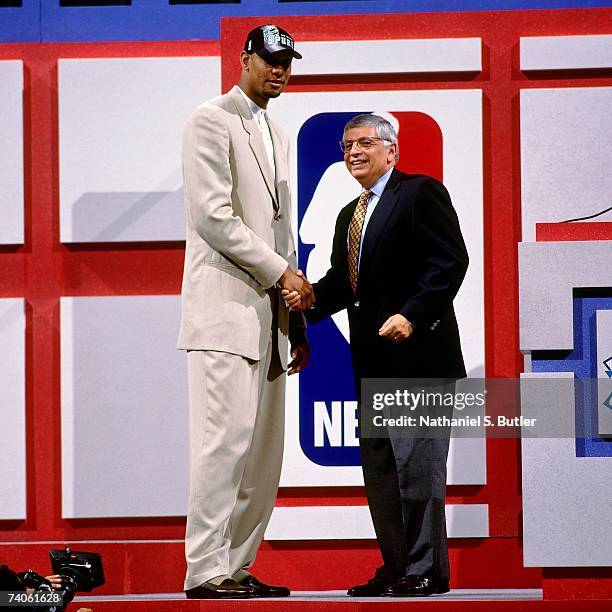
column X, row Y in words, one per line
column 397, row 263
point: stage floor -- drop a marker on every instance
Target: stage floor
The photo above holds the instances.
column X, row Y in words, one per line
column 341, row 596
column 457, row 600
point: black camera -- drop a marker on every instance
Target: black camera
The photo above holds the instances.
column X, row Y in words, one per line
column 80, row 571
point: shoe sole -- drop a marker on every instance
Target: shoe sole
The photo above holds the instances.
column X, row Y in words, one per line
column 416, row 594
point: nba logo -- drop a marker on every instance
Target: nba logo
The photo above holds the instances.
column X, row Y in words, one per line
column 328, row 409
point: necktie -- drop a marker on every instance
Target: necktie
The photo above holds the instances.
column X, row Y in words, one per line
column 355, row 236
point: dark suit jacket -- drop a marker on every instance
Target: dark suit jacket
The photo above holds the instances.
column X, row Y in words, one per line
column 413, row 262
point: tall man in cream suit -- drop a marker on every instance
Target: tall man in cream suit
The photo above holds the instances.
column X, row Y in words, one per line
column 235, row 327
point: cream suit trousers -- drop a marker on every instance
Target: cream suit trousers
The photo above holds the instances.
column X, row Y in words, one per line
column 236, row 417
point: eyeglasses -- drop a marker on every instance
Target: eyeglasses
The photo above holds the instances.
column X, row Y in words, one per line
column 363, row 144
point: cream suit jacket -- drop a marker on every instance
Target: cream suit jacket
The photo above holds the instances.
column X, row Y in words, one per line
column 239, row 239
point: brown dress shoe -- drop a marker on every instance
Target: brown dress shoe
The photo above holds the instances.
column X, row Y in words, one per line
column 264, row 590
column 228, row 589
column 417, row 586
column 374, row 587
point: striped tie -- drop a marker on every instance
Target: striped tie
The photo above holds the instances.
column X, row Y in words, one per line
column 355, row 236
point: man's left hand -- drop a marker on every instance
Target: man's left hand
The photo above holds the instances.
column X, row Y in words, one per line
column 300, row 352
column 396, row 328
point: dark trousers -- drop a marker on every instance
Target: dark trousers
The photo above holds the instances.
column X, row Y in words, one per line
column 405, row 477
column 405, row 481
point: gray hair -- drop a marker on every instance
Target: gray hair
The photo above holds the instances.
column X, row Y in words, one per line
column 382, row 127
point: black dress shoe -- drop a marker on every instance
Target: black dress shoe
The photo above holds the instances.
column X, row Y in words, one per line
column 264, row 590
column 374, row 587
column 417, row 586
column 228, row 589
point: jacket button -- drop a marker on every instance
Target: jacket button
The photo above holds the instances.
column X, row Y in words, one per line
column 356, row 304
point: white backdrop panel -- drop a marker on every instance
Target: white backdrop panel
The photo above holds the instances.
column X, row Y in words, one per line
column 355, row 522
column 390, row 56
column 459, row 115
column 566, row 52
column 566, row 499
column 11, row 151
column 120, row 127
column 566, row 155
column 12, row 409
column 548, row 273
column 124, row 411
column 124, row 407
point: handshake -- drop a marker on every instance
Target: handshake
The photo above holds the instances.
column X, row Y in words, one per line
column 296, row 290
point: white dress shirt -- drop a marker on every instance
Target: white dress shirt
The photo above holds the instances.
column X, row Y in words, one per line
column 259, row 114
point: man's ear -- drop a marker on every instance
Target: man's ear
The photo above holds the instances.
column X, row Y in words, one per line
column 245, row 60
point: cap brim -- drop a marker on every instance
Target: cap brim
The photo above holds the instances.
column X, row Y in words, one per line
column 275, row 50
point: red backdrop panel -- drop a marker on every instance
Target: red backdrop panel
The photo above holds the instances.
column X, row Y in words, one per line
column 42, row 270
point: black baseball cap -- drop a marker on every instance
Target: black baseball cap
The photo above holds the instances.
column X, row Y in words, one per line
column 269, row 40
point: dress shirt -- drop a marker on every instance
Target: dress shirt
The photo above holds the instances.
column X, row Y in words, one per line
column 377, row 189
column 259, row 114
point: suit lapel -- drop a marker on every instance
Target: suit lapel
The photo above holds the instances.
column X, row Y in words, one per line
column 255, row 141
column 380, row 216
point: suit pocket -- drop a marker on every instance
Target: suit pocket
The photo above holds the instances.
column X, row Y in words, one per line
column 226, row 266
column 233, row 311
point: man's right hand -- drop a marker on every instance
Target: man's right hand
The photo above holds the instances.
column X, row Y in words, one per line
column 297, row 285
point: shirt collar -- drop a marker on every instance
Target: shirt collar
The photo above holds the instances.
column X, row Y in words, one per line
column 254, row 108
column 379, row 186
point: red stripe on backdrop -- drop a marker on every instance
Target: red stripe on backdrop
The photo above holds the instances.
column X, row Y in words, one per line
column 578, row 583
column 355, row 496
column 499, row 31
column 159, row 567
column 561, row 232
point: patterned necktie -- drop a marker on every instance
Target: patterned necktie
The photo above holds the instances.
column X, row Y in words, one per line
column 355, row 236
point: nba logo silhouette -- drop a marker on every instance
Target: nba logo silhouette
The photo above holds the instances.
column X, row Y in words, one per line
column 328, row 422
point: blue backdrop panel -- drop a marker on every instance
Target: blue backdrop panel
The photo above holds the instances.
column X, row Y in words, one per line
column 329, row 376
column 142, row 20
column 583, row 362
column 20, row 24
